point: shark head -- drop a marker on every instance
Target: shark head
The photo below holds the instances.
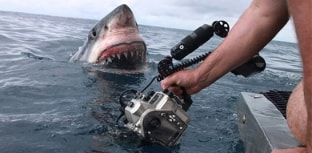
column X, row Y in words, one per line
column 114, row 41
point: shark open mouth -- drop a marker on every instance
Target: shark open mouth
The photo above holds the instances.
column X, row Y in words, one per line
column 123, row 55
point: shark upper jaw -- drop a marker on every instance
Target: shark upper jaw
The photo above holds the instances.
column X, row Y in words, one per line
column 123, row 55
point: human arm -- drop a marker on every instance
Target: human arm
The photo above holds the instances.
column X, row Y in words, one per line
column 302, row 17
column 255, row 28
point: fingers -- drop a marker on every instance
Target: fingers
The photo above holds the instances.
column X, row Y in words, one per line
column 176, row 90
column 169, row 81
column 171, row 84
column 164, row 84
column 183, row 78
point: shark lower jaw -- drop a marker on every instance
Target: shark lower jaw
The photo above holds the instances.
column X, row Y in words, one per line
column 123, row 55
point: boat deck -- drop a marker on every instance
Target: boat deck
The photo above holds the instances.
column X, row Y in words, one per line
column 262, row 122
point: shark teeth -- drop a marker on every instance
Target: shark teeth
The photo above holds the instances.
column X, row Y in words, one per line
column 132, row 55
column 125, row 54
column 109, row 60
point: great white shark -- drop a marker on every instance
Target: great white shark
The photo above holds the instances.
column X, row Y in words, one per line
column 114, row 41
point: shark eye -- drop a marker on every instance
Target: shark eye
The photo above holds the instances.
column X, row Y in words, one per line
column 92, row 34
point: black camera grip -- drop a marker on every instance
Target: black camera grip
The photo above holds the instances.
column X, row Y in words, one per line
column 187, row 99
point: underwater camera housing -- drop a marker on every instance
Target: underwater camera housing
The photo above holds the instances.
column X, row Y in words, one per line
column 161, row 117
column 158, row 117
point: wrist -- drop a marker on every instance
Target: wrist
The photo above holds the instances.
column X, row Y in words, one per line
column 212, row 68
column 202, row 75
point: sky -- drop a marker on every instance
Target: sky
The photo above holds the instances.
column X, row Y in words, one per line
column 180, row 14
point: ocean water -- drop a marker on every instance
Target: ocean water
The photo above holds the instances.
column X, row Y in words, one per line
column 50, row 105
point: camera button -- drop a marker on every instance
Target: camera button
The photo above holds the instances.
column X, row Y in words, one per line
column 163, row 114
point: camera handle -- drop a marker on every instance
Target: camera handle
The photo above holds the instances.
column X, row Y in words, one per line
column 187, row 100
column 165, row 68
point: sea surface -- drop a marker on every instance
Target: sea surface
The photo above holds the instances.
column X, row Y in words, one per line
column 48, row 105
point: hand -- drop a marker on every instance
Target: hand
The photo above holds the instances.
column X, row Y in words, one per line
column 184, row 78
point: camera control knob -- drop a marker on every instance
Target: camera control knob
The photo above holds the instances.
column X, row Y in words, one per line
column 163, row 114
column 221, row 28
column 130, row 104
column 151, row 93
